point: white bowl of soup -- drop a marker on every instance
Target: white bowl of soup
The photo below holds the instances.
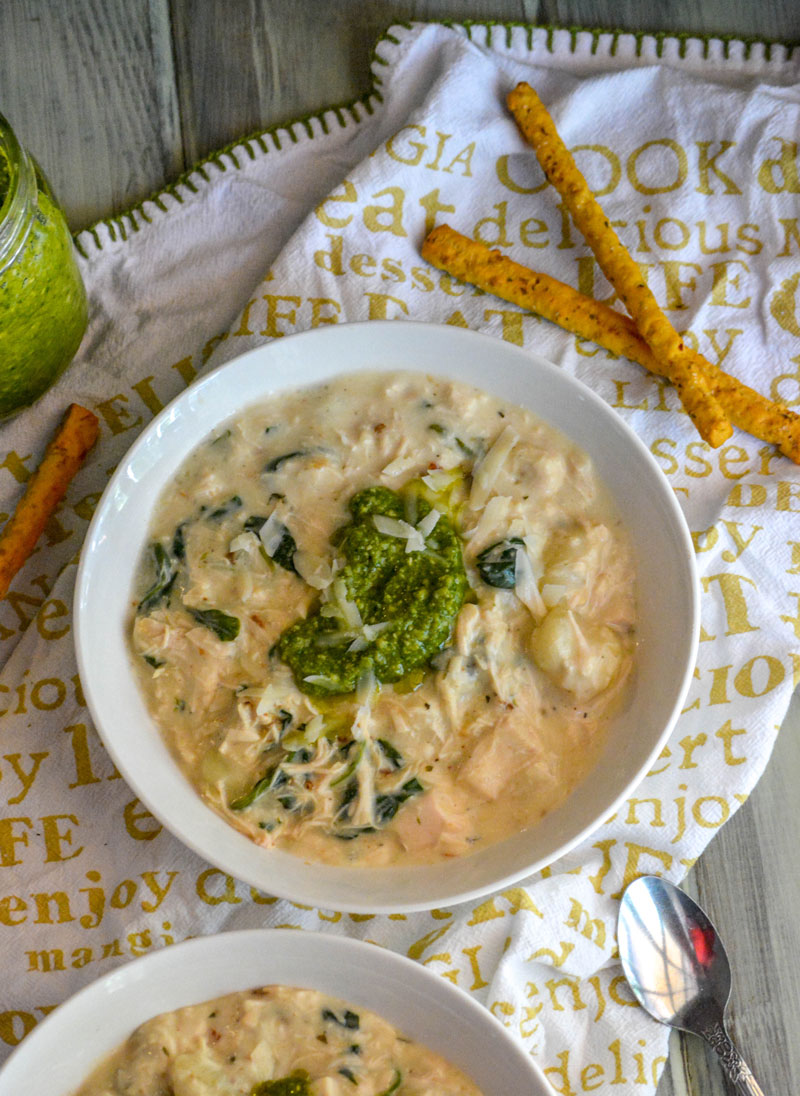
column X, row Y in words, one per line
column 386, row 616
column 243, row 1008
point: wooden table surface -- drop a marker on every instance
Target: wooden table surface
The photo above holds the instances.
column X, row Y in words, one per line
column 117, row 97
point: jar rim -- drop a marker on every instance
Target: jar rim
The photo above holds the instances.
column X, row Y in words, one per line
column 15, row 206
column 11, row 152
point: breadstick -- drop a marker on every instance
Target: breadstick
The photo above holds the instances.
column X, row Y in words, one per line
column 45, row 489
column 679, row 364
column 490, row 270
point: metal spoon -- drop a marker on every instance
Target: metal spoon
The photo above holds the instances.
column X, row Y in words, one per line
column 677, row 968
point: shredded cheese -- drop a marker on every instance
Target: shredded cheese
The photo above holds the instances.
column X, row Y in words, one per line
column 348, row 609
column 323, row 680
column 439, row 479
column 271, row 534
column 413, row 535
column 314, row 728
column 428, row 523
column 485, row 473
column 395, row 527
column 245, row 542
column 525, row 583
column 552, row 593
column 315, row 570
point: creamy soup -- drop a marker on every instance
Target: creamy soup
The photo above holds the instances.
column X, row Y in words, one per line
column 274, row 1041
column 385, row 619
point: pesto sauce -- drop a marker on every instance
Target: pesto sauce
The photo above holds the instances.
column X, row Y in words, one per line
column 43, row 308
column 4, row 178
column 419, row 595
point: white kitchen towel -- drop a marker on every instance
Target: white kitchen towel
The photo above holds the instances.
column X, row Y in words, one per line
column 691, row 146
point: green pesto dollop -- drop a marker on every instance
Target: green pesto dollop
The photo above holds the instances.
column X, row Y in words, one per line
column 43, row 308
column 417, row 596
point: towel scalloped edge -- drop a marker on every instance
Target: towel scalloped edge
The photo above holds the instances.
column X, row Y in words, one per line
column 515, row 36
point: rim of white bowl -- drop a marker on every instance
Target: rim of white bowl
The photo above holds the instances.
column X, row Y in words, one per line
column 242, row 959
column 384, row 336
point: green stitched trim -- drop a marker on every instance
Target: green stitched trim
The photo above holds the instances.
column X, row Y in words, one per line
column 116, row 224
column 596, row 33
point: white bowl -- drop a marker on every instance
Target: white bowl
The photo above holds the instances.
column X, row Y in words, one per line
column 62, row 1051
column 667, row 604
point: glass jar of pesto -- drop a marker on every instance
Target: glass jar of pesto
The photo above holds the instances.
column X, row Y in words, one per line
column 43, row 309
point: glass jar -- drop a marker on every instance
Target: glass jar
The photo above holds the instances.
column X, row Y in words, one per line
column 43, row 309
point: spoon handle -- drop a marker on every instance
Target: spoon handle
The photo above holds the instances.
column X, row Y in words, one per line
column 732, row 1061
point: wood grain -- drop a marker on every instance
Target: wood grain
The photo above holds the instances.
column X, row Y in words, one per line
column 749, row 882
column 89, row 89
column 117, row 97
column 239, row 64
column 776, row 20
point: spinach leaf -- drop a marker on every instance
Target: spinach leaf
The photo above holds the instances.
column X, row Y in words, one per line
column 284, row 553
column 352, row 764
column 269, row 780
column 349, row 794
column 277, row 462
column 225, row 510
column 393, row 755
column 386, row 806
column 497, row 564
column 166, row 573
column 347, row 1020
column 179, row 541
column 254, row 523
column 223, row 626
column 287, row 546
column 393, row 1087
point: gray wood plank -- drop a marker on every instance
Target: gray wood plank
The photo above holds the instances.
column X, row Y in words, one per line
column 88, row 87
column 779, row 19
column 245, row 65
column 748, row 880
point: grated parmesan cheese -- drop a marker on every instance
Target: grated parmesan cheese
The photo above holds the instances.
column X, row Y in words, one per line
column 394, row 527
column 485, row 473
column 428, row 523
column 525, row 584
column 315, row 570
column 271, row 534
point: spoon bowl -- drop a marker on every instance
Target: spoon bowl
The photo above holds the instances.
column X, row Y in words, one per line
column 678, row 969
